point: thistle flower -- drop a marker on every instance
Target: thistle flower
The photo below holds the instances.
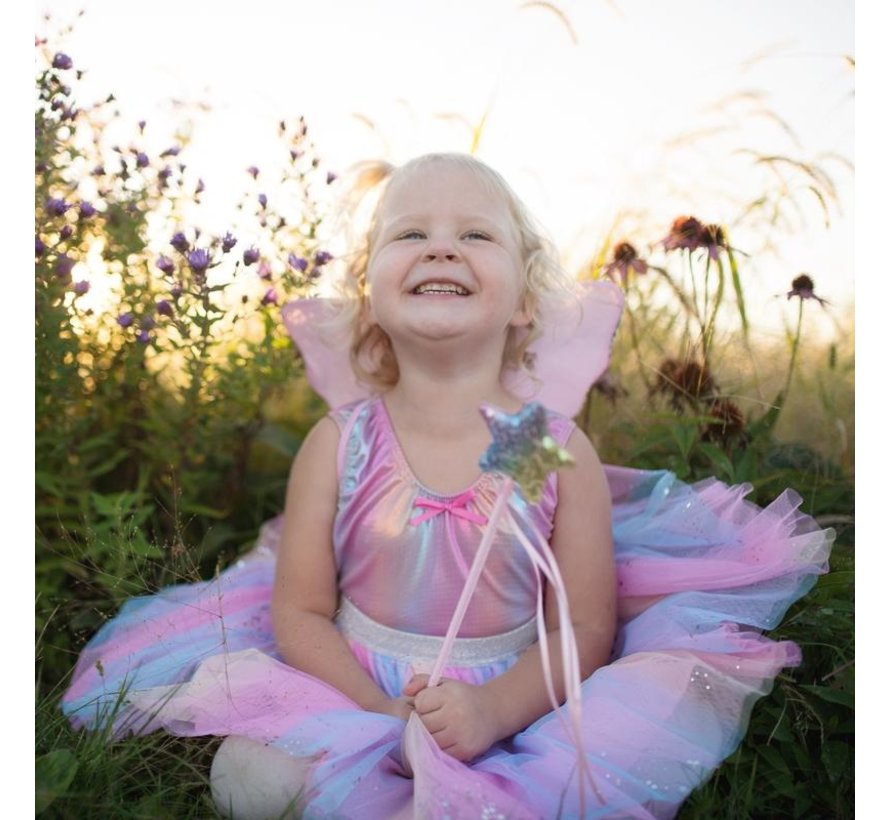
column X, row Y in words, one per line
column 297, row 262
column 179, row 242
column 270, row 297
column 803, row 288
column 163, row 307
column 62, row 61
column 165, row 265
column 199, row 260
column 322, row 258
column 126, row 319
column 86, row 210
column 262, row 200
column 228, row 242
column 625, row 259
column 141, row 159
column 253, row 171
column 81, row 287
column 251, row 255
column 684, row 381
column 728, row 422
column 56, row 207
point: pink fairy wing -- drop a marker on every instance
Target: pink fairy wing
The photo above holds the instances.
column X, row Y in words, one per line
column 573, row 351
column 569, row 357
column 325, row 350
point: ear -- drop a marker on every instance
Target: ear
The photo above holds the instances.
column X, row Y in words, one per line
column 525, row 311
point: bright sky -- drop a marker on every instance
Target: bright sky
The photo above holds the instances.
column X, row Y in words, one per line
column 582, row 108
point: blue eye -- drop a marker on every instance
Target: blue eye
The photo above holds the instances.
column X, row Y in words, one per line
column 477, row 235
column 411, row 235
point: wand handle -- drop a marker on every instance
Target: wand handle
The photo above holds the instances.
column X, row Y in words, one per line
column 472, row 580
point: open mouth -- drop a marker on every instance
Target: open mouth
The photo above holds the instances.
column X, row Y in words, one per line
column 444, row 288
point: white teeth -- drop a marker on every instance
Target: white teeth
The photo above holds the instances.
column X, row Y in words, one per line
column 441, row 287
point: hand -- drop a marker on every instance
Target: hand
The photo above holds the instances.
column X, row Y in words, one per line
column 400, row 707
column 457, row 715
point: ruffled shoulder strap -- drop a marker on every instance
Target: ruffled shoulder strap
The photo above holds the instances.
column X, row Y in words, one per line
column 569, row 357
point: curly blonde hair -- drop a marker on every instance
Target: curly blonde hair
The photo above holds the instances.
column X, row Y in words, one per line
column 544, row 280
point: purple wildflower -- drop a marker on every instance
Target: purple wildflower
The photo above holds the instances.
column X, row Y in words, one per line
column 147, row 323
column 176, row 291
column 297, row 262
column 86, row 210
column 199, row 260
column 179, row 242
column 126, row 319
column 141, row 125
column 164, row 174
column 164, row 308
column 62, row 61
column 165, row 265
column 199, row 187
column 172, row 151
column 141, row 159
column 63, row 267
column 264, row 271
column 251, row 255
column 81, row 287
column 803, row 288
column 263, row 200
column 295, row 154
column 66, row 232
column 322, row 258
column 331, row 177
column 624, row 260
column 270, row 297
column 143, row 337
column 56, row 207
column 253, row 171
column 228, row 242
column 686, row 234
column 39, row 247
column 98, row 171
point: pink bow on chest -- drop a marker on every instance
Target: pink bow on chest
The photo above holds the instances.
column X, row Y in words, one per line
column 457, row 506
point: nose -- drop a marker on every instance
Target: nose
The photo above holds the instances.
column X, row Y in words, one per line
column 441, row 250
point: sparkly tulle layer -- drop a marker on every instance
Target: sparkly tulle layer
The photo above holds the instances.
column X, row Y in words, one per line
column 701, row 572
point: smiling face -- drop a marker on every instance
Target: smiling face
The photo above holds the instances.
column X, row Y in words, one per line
column 445, row 261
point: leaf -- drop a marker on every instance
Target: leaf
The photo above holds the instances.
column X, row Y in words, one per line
column 279, row 438
column 720, row 460
column 836, row 581
column 53, row 774
column 830, row 695
column 836, row 759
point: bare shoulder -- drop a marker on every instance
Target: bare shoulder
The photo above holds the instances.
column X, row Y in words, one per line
column 587, row 474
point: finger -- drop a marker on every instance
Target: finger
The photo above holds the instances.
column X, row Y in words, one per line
column 435, row 722
column 428, row 700
column 413, row 686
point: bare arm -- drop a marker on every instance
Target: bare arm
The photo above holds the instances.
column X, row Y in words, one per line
column 582, row 544
column 305, row 594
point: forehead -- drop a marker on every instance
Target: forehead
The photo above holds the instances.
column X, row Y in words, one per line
column 443, row 189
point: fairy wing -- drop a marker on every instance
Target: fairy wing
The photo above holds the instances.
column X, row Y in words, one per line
column 568, row 358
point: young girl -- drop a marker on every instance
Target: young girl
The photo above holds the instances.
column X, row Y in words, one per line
column 313, row 650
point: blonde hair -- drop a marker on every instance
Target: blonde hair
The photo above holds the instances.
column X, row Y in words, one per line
column 544, row 280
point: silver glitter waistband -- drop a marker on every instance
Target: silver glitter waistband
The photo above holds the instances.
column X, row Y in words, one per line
column 413, row 648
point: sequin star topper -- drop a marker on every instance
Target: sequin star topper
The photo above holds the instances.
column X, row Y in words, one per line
column 522, row 448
